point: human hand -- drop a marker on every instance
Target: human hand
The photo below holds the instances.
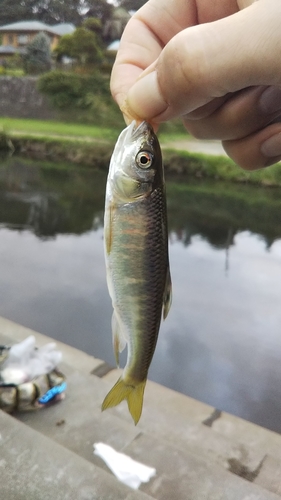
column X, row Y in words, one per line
column 215, row 64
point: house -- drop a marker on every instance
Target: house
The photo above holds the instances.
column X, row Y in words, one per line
column 16, row 36
column 113, row 46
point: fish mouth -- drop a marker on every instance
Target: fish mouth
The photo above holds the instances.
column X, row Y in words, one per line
column 132, row 133
column 144, row 128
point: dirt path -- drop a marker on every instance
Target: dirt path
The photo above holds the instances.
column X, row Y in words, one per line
column 196, row 146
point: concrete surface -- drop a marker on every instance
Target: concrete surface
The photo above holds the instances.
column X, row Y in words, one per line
column 33, row 467
column 199, row 453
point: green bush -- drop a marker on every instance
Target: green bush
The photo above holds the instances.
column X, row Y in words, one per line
column 14, row 62
column 14, row 72
column 81, row 97
column 8, row 70
column 64, row 89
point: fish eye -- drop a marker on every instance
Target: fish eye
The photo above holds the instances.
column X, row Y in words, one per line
column 144, row 159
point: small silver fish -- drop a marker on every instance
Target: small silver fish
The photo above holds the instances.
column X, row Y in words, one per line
column 137, row 262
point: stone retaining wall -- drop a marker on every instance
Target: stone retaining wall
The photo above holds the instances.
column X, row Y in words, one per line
column 19, row 98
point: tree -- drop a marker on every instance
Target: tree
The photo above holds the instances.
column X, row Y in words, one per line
column 93, row 24
column 131, row 4
column 57, row 11
column 37, row 58
column 11, row 11
column 82, row 45
column 114, row 27
column 53, row 11
column 99, row 9
column 64, row 47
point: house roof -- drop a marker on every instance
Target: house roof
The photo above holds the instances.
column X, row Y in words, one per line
column 58, row 29
column 121, row 13
column 64, row 28
column 8, row 49
column 114, row 46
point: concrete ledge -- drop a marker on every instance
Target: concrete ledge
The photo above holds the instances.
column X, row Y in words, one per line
column 199, row 452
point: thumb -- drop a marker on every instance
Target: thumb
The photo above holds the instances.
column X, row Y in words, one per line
column 210, row 60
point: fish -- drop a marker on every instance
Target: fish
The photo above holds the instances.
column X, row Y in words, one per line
column 137, row 260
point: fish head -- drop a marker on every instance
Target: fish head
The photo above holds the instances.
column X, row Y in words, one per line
column 136, row 164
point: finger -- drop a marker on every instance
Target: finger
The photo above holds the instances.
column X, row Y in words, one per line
column 257, row 150
column 208, row 12
column 143, row 39
column 242, row 4
column 243, row 114
column 207, row 109
column 151, row 28
column 208, row 61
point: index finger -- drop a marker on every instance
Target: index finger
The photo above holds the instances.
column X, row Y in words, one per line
column 144, row 37
column 151, row 28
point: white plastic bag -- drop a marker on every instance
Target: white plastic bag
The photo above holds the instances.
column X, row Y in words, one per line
column 127, row 470
column 25, row 362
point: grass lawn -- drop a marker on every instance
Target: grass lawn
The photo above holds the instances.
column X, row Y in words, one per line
column 49, row 128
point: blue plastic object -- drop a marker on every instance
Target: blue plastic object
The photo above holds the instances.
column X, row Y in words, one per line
column 51, row 393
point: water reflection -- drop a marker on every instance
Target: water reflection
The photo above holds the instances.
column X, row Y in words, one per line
column 220, row 343
column 50, row 200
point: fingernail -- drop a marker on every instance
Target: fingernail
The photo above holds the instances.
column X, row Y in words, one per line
column 144, row 98
column 272, row 146
column 270, row 100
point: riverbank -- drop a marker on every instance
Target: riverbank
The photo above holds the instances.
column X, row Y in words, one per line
column 92, row 147
column 178, row 162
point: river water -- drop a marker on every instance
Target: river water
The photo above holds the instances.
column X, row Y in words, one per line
column 221, row 342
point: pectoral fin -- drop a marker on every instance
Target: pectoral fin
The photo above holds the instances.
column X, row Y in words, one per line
column 118, row 338
column 167, row 297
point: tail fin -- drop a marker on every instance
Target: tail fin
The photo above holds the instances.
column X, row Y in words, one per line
column 133, row 395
